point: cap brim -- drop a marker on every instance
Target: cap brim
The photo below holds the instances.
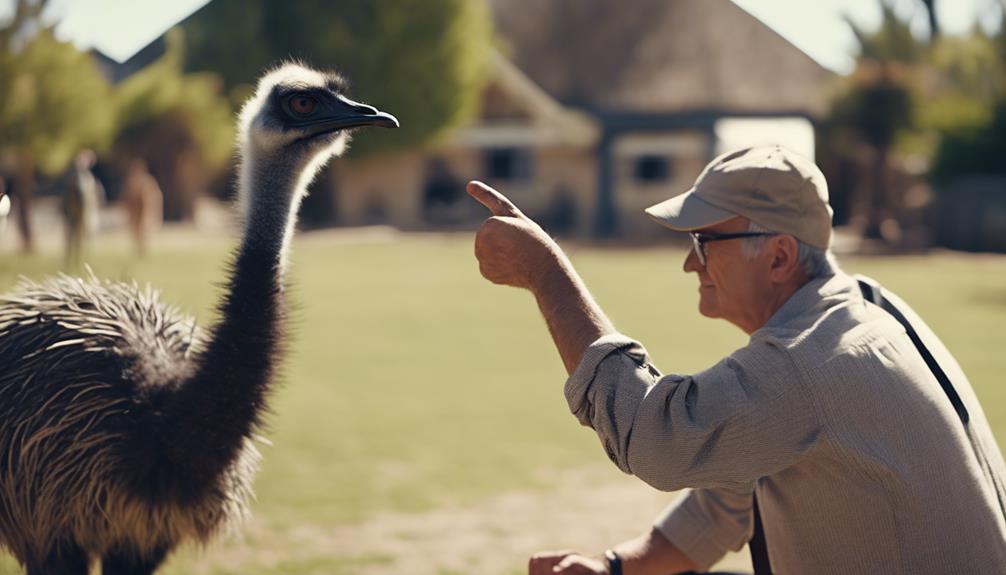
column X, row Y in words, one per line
column 688, row 212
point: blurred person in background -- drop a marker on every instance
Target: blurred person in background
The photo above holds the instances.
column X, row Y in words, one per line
column 144, row 204
column 828, row 442
column 21, row 185
column 82, row 199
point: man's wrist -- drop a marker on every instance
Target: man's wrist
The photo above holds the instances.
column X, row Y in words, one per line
column 547, row 269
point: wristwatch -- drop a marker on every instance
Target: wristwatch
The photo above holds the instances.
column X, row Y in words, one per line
column 614, row 562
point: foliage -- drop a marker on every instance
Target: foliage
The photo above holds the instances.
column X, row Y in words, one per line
column 974, row 148
column 192, row 102
column 878, row 102
column 970, row 66
column 422, row 60
column 53, row 100
column 967, row 113
column 942, row 99
column 891, row 42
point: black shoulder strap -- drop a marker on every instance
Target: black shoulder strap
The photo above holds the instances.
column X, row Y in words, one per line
column 872, row 292
column 757, row 546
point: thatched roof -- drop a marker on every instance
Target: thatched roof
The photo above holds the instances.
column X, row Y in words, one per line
column 658, row 56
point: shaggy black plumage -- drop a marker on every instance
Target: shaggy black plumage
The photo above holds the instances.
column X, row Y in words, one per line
column 125, row 430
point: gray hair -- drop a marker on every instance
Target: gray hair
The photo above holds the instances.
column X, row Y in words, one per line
column 815, row 262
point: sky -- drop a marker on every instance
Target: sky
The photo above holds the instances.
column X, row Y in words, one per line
column 121, row 27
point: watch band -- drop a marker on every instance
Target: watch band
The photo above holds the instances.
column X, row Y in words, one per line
column 614, row 562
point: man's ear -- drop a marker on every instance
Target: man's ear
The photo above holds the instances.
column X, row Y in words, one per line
column 785, row 252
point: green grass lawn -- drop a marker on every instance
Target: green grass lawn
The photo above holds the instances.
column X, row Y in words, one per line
column 412, row 382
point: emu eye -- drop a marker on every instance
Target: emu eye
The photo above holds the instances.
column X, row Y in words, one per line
column 303, row 105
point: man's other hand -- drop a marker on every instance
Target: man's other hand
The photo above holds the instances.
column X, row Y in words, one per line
column 565, row 563
column 511, row 248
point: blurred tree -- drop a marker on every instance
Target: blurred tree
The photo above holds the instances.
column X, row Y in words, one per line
column 875, row 106
column 971, row 64
column 893, row 41
column 179, row 124
column 966, row 80
column 422, row 60
column 962, row 80
column 53, row 102
column 971, row 147
column 968, row 113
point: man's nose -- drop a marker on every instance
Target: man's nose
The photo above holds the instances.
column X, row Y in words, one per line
column 692, row 263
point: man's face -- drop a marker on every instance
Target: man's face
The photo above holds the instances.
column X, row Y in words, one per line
column 730, row 286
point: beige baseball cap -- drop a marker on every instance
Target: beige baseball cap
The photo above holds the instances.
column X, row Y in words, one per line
column 769, row 185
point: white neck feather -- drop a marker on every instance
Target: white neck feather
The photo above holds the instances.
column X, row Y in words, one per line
column 269, row 195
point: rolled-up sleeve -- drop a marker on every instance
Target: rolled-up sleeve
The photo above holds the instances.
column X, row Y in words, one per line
column 707, row 523
column 746, row 417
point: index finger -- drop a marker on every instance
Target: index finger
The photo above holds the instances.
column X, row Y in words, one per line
column 497, row 203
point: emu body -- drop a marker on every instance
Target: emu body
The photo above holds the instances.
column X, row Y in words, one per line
column 91, row 372
column 124, row 429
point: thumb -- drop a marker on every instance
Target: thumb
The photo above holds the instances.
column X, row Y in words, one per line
column 497, row 203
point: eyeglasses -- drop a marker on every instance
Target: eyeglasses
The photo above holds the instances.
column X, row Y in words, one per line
column 699, row 241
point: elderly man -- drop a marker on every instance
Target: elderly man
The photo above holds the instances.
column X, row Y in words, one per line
column 828, row 428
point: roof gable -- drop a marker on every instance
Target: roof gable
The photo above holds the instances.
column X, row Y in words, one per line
column 658, row 56
column 513, row 106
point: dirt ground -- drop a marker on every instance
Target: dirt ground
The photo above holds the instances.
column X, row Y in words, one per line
column 495, row 536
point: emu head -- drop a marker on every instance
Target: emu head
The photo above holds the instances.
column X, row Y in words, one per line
column 297, row 119
column 302, row 115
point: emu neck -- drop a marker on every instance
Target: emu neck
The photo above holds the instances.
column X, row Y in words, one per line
column 218, row 409
column 271, row 193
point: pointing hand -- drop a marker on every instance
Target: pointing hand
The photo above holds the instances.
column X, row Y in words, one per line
column 510, row 247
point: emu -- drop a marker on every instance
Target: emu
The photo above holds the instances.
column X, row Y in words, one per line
column 125, row 431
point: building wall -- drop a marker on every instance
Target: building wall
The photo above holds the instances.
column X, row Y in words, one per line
column 390, row 189
column 379, row 190
column 685, row 153
column 562, row 192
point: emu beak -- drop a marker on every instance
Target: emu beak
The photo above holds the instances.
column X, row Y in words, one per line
column 349, row 114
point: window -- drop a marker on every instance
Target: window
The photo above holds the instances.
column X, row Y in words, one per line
column 509, row 164
column 651, row 169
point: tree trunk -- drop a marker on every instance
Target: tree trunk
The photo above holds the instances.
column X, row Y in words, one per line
column 877, row 205
column 934, row 24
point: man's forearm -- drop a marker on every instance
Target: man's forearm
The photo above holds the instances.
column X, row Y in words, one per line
column 652, row 554
column 513, row 250
column 574, row 319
